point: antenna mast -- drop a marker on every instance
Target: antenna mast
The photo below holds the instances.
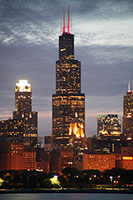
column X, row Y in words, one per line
column 64, row 21
column 68, row 26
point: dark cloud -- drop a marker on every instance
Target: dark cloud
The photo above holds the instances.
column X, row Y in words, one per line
column 29, row 33
column 106, row 70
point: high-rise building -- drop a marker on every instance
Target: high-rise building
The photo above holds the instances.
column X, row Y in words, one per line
column 68, row 99
column 108, row 126
column 24, row 122
column 23, row 108
column 13, row 155
column 128, row 114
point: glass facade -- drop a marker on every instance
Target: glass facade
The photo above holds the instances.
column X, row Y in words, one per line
column 128, row 115
column 68, row 99
column 108, row 125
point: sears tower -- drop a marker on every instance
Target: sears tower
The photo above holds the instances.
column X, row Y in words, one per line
column 68, row 99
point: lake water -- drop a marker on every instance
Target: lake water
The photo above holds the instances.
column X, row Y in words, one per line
column 75, row 196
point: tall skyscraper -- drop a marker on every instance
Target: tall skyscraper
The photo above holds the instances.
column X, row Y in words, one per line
column 23, row 108
column 108, row 126
column 68, row 99
column 128, row 113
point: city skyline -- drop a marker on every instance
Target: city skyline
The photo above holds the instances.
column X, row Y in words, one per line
column 105, row 55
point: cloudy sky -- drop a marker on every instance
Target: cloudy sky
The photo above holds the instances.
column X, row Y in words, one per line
column 29, row 32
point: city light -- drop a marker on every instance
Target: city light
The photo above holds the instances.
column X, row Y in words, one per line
column 55, row 181
column 23, row 86
column 79, row 161
column 127, row 158
column 1, row 182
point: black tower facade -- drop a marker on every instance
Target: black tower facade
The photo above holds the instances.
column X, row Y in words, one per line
column 68, row 99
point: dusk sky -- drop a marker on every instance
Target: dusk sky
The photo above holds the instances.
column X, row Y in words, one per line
column 29, row 33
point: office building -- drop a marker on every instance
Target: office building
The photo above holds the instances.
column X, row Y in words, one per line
column 60, row 158
column 108, row 145
column 24, row 122
column 11, row 127
column 23, row 108
column 11, row 154
column 68, row 99
column 98, row 161
column 108, row 126
column 128, row 114
column 29, row 160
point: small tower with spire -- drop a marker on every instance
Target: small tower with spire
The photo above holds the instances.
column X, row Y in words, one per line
column 129, row 86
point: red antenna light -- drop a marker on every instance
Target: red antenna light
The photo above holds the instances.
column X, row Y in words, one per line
column 63, row 21
column 68, row 26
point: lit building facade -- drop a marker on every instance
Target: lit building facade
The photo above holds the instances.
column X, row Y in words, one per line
column 99, row 162
column 13, row 155
column 29, row 160
column 76, row 128
column 77, row 138
column 108, row 145
column 23, row 108
column 128, row 114
column 108, row 126
column 11, row 127
column 127, row 162
column 68, row 99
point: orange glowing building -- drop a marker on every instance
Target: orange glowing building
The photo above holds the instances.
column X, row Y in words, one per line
column 77, row 138
column 99, row 162
column 77, row 128
column 76, row 134
column 14, row 157
column 29, row 160
column 11, row 155
column 127, row 162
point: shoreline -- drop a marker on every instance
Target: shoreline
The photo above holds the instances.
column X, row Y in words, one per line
column 110, row 190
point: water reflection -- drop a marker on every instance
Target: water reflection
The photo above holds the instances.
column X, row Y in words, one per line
column 75, row 196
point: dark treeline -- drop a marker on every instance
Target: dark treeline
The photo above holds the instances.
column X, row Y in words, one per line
column 69, row 178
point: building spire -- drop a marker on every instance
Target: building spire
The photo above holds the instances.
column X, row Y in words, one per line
column 64, row 21
column 129, row 86
column 68, row 25
column 76, row 114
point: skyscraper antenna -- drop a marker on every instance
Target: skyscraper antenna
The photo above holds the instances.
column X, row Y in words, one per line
column 129, row 86
column 64, row 21
column 68, row 25
column 71, row 25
